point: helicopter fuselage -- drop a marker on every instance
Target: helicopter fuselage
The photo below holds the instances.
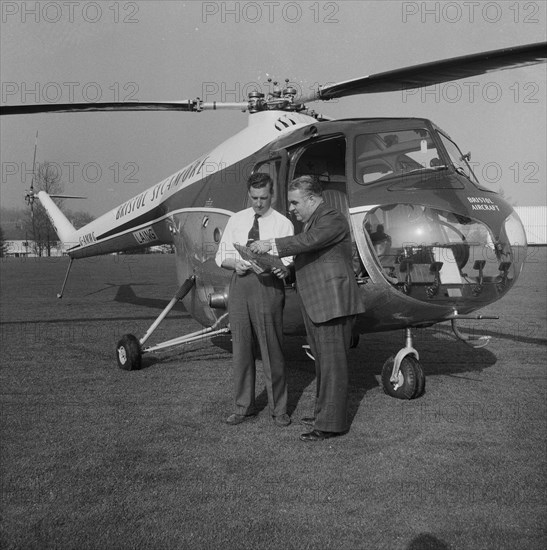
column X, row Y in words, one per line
column 429, row 240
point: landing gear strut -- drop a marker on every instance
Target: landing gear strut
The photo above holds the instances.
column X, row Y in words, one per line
column 402, row 374
column 129, row 351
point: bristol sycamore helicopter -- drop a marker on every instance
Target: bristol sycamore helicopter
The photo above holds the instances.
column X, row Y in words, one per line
column 431, row 243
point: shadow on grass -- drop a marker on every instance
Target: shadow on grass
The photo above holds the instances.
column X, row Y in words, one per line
column 126, row 295
column 177, row 353
column 150, row 360
column 440, row 353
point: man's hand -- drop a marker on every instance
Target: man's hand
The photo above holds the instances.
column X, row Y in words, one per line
column 280, row 273
column 242, row 266
column 260, row 247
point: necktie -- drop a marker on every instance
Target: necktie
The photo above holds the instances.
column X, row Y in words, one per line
column 254, row 233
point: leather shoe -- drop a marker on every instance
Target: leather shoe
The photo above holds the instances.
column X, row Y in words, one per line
column 235, row 419
column 283, row 420
column 308, row 421
column 318, row 435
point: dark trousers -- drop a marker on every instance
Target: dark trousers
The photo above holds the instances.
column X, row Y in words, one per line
column 329, row 343
column 256, row 317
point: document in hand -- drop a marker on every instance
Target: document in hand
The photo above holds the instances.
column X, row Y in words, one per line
column 266, row 261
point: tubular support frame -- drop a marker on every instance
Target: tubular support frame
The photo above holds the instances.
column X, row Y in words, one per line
column 472, row 341
column 183, row 290
column 60, row 294
column 192, row 337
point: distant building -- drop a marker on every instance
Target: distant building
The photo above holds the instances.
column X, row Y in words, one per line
column 17, row 242
column 20, row 248
column 534, row 219
column 19, row 245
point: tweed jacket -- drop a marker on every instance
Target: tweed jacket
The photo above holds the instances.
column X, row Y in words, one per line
column 324, row 274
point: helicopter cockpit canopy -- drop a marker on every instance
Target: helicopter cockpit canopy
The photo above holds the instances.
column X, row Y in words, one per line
column 418, row 218
column 437, row 256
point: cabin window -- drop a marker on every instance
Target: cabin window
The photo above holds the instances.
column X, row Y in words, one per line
column 327, row 161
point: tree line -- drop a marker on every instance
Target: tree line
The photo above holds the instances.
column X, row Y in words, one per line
column 33, row 222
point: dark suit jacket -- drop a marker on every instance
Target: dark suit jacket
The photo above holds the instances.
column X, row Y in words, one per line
column 324, row 274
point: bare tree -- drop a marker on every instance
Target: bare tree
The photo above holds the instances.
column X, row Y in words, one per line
column 80, row 218
column 3, row 245
column 46, row 178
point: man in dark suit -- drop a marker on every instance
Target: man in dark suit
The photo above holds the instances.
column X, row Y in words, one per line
column 330, row 298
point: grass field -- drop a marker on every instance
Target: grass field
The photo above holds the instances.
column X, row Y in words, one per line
column 94, row 457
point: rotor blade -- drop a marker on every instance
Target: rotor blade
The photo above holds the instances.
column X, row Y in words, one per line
column 192, row 105
column 30, row 196
column 67, row 197
column 93, row 107
column 34, row 162
column 436, row 72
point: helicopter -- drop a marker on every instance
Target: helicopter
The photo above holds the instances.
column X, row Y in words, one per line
column 431, row 244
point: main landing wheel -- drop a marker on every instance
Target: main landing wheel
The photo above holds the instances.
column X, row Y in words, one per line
column 128, row 353
column 411, row 381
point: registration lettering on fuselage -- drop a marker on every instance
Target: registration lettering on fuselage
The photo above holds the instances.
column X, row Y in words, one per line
column 146, row 235
column 88, row 238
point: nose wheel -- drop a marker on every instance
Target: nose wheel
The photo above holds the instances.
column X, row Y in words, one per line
column 402, row 374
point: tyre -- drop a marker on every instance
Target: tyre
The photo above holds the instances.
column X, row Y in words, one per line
column 128, row 353
column 407, row 383
column 420, row 377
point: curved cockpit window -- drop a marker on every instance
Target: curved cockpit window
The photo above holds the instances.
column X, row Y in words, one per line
column 436, row 255
column 384, row 155
column 460, row 161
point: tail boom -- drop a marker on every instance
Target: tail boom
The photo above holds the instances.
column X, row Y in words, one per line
column 62, row 225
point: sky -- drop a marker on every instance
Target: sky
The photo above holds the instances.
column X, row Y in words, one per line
column 82, row 51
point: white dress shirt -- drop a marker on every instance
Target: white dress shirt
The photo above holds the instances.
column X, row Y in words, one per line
column 271, row 225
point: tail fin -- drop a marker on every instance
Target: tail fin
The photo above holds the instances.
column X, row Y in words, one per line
column 64, row 228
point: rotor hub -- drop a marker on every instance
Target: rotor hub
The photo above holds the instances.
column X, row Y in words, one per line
column 279, row 99
column 256, row 102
